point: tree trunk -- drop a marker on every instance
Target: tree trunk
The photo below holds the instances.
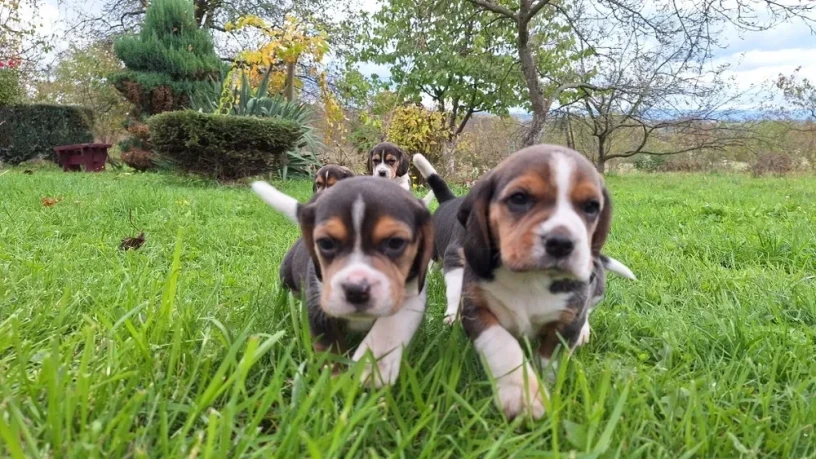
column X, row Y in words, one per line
column 537, row 100
column 289, row 92
column 600, row 163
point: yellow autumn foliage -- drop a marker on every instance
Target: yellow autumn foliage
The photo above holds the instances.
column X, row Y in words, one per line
column 296, row 41
column 419, row 130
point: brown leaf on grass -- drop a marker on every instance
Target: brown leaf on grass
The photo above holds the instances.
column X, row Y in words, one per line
column 28, row 172
column 132, row 242
column 49, row 202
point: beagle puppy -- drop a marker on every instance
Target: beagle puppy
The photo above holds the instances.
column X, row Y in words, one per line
column 293, row 267
column 328, row 175
column 523, row 250
column 369, row 244
column 389, row 161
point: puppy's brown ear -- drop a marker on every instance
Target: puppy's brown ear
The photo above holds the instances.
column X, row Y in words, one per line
column 314, row 186
column 603, row 226
column 403, row 163
column 370, row 162
column 306, row 218
column 426, row 247
column 480, row 251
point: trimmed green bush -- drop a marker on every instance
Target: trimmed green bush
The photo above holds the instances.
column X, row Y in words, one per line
column 222, row 146
column 32, row 131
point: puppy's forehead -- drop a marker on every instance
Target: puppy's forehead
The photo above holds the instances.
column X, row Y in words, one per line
column 545, row 161
column 386, row 148
column 367, row 199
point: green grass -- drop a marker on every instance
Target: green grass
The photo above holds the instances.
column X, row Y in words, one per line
column 188, row 347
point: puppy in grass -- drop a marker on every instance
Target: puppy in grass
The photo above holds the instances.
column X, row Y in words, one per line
column 293, row 267
column 369, row 244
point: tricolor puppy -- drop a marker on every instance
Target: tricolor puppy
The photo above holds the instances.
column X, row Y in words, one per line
column 293, row 267
column 530, row 233
column 328, row 175
column 387, row 160
column 369, row 244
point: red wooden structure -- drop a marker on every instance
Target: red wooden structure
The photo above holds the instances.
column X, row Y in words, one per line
column 92, row 155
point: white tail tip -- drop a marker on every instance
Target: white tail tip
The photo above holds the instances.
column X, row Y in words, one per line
column 279, row 201
column 619, row 268
column 424, row 166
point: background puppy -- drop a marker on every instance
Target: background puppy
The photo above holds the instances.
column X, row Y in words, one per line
column 328, row 175
column 389, row 161
column 369, row 244
column 295, row 262
column 531, row 233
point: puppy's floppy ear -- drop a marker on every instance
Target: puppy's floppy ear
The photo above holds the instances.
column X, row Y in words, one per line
column 306, row 219
column 419, row 268
column 403, row 163
column 604, row 224
column 314, row 185
column 370, row 161
column 348, row 172
column 480, row 251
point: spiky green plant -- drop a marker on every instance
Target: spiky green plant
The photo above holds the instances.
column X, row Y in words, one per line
column 249, row 101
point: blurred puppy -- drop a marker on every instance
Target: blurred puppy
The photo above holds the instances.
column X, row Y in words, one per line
column 369, row 244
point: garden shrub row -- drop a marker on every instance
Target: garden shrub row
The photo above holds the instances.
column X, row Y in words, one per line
column 32, row 131
column 222, row 146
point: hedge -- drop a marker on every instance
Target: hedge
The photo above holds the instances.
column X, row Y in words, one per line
column 32, row 131
column 222, row 146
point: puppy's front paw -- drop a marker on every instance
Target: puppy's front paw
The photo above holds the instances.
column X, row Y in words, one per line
column 583, row 337
column 517, row 398
column 450, row 319
column 386, row 373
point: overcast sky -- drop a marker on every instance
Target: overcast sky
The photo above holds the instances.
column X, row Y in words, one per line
column 755, row 57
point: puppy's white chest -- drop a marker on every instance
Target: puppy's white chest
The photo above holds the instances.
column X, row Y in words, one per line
column 523, row 302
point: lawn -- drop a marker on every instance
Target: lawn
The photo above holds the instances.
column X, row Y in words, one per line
column 188, row 346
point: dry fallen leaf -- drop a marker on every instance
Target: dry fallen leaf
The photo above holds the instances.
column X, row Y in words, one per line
column 49, row 202
column 28, row 172
column 132, row 242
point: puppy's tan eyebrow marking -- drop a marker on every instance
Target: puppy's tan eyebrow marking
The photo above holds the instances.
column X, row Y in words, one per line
column 531, row 183
column 333, row 227
column 387, row 227
column 583, row 191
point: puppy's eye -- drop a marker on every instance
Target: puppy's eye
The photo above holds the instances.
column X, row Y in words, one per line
column 519, row 202
column 592, row 207
column 326, row 245
column 394, row 246
column 392, row 161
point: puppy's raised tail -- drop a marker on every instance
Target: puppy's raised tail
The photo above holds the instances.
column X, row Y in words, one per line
column 613, row 265
column 438, row 186
column 279, row 201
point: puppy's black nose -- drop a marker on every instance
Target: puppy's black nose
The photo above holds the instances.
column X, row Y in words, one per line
column 357, row 294
column 558, row 246
column 382, row 173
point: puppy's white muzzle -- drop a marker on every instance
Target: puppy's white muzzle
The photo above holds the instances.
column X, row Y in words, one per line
column 382, row 171
column 359, row 291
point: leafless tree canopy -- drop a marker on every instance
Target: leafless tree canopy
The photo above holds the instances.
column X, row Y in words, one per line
column 691, row 29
